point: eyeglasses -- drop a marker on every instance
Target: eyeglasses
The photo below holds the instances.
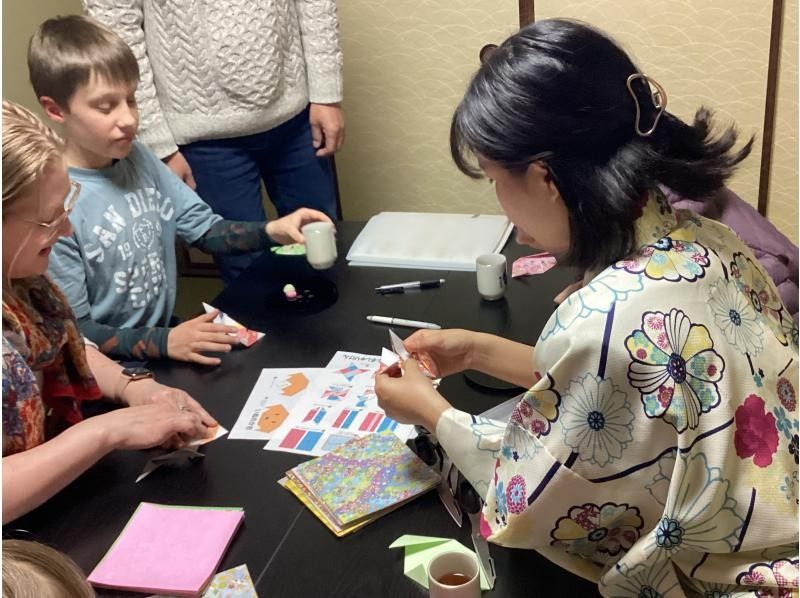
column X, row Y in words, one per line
column 70, row 200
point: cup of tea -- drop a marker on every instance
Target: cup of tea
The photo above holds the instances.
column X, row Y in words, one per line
column 320, row 244
column 454, row 575
column 491, row 275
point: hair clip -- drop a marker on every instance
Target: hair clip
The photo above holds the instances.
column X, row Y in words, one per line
column 659, row 97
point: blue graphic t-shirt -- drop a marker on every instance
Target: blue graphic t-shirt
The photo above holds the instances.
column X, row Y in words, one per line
column 118, row 266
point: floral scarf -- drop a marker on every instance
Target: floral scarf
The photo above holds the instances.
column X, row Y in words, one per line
column 40, row 334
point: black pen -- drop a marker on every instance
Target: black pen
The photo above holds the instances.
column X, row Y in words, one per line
column 402, row 287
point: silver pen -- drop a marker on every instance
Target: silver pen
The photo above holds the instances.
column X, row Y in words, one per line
column 403, row 322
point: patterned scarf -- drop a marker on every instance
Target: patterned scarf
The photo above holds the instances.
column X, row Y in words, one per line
column 39, row 323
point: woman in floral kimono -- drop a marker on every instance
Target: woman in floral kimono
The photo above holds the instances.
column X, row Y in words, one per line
column 47, row 370
column 656, row 451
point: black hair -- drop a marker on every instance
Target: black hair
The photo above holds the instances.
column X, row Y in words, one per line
column 556, row 92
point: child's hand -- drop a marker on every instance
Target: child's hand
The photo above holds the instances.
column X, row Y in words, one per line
column 287, row 229
column 186, row 341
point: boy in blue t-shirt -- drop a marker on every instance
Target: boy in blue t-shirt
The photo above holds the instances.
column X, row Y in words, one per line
column 117, row 268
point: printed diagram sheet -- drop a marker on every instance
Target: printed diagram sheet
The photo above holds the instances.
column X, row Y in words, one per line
column 275, row 394
column 338, row 405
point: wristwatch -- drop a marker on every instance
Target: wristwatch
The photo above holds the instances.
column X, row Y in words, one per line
column 129, row 375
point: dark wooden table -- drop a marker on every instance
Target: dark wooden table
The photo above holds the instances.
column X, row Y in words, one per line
column 287, row 550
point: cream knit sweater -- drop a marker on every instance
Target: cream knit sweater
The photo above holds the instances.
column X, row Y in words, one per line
column 213, row 69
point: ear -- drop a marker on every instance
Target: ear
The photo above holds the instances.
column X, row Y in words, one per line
column 52, row 109
column 539, row 175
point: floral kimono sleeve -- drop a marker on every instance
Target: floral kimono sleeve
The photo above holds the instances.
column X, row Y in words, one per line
column 657, row 453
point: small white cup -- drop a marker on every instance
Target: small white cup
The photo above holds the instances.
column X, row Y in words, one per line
column 442, row 567
column 320, row 244
column 490, row 270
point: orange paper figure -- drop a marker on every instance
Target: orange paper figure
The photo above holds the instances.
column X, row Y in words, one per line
column 295, row 383
column 272, row 417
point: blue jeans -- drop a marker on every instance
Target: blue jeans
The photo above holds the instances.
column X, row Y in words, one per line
column 228, row 173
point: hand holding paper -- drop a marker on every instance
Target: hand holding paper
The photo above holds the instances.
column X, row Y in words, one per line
column 245, row 336
column 391, row 362
column 182, row 456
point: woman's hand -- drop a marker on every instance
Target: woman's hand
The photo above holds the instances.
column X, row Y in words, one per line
column 452, row 350
column 145, row 426
column 146, row 392
column 188, row 340
column 410, row 399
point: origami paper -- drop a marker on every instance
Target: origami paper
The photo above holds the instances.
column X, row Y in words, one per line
column 420, row 551
column 233, row 583
column 532, row 264
column 182, row 456
column 244, row 335
column 168, row 549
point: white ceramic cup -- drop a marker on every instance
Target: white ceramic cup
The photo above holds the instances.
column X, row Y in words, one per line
column 447, row 563
column 320, row 244
column 490, row 270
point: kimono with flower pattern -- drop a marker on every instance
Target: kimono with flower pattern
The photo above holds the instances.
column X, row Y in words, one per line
column 657, row 453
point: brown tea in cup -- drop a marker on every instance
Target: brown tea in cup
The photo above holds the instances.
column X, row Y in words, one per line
column 453, row 579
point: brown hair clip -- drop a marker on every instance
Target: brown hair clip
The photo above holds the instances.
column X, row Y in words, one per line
column 659, row 97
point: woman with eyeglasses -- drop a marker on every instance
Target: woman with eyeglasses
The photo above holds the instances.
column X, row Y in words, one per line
column 656, row 452
column 48, row 370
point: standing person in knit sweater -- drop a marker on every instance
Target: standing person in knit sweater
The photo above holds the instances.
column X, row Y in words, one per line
column 233, row 93
column 117, row 265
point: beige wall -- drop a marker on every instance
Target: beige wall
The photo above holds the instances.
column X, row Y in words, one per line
column 20, row 20
column 407, row 63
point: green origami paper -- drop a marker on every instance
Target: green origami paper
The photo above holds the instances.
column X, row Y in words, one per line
column 420, row 550
column 292, row 249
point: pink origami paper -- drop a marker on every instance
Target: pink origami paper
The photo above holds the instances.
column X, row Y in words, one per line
column 167, row 549
column 532, row 264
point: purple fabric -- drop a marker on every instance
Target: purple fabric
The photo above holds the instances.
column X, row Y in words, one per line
column 777, row 254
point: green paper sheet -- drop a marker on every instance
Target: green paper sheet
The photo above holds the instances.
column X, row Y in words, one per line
column 420, row 550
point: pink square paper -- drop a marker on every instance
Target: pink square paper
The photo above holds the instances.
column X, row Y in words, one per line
column 168, row 549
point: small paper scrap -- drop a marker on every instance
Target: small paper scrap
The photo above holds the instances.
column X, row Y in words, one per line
column 245, row 336
column 532, row 264
column 292, row 249
column 214, row 432
column 233, row 583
